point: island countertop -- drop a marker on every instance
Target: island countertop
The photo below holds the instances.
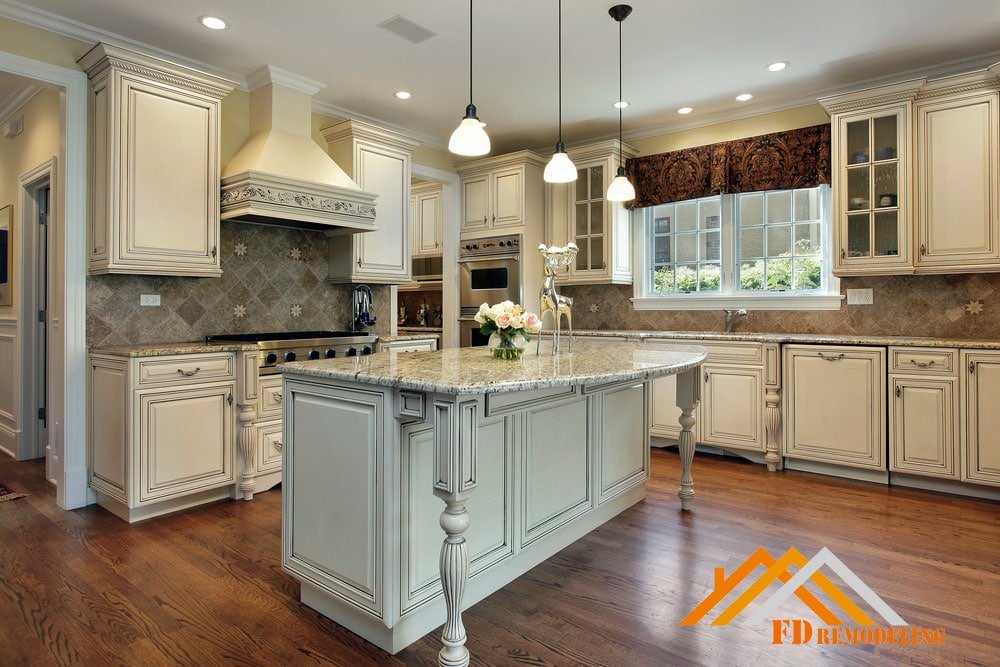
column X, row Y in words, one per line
column 471, row 370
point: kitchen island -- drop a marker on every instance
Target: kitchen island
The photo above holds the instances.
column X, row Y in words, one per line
column 527, row 457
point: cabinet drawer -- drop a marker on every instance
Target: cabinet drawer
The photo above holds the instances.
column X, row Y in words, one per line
column 923, row 360
column 718, row 351
column 269, row 447
column 187, row 369
column 269, row 403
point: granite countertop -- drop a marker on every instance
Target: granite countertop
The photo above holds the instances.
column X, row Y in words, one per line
column 825, row 339
column 164, row 349
column 471, row 370
column 409, row 336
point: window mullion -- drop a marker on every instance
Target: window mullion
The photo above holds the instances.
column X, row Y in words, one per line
column 728, row 243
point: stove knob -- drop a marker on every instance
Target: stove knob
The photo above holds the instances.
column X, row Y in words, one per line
column 366, row 350
column 289, row 356
column 468, row 246
column 351, row 352
column 270, row 358
column 475, row 246
column 331, row 353
column 314, row 354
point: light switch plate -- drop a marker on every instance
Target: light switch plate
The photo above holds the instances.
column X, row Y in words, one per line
column 860, row 297
column 149, row 299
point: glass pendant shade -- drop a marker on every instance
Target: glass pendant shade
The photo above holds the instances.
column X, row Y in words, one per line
column 621, row 188
column 560, row 168
column 469, row 138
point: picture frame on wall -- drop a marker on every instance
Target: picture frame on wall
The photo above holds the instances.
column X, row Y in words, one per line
column 6, row 255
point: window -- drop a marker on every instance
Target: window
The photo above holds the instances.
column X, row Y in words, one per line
column 769, row 249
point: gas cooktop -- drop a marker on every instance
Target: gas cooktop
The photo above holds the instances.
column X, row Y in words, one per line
column 281, row 335
column 279, row 346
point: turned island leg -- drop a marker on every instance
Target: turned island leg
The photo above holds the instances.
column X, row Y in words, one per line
column 688, row 397
column 772, row 427
column 454, row 479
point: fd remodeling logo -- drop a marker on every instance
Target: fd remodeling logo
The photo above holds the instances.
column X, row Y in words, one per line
column 801, row 631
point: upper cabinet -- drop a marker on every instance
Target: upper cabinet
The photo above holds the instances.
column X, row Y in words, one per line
column 579, row 212
column 379, row 161
column 502, row 195
column 915, row 176
column 426, row 229
column 154, row 169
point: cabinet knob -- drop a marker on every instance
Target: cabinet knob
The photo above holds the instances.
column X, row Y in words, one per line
column 215, row 251
column 972, row 367
column 843, row 254
column 359, row 262
column 494, row 219
column 706, row 376
column 229, row 399
column 923, row 249
column 899, row 392
column 485, row 217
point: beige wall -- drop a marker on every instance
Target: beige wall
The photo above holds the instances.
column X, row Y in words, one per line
column 789, row 119
column 30, row 42
column 39, row 142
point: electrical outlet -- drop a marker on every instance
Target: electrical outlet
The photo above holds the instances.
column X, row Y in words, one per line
column 860, row 297
column 149, row 299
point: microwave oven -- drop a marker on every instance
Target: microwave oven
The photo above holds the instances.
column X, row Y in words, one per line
column 427, row 268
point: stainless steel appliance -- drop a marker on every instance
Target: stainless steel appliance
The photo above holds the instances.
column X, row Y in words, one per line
column 279, row 347
column 489, row 272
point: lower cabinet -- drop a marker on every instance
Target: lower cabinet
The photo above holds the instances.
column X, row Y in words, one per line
column 981, row 417
column 834, row 405
column 923, row 426
column 161, row 432
column 428, row 344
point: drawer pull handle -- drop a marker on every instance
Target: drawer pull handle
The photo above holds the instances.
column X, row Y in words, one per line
column 279, row 445
column 922, row 364
column 188, row 374
column 277, row 396
column 826, row 358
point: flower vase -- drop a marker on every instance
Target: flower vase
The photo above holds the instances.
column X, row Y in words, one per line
column 506, row 347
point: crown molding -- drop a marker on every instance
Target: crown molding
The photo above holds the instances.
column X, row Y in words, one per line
column 341, row 113
column 271, row 74
column 16, row 102
column 61, row 25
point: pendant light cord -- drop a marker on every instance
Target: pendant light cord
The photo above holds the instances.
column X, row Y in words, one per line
column 560, row 72
column 621, row 152
column 470, row 51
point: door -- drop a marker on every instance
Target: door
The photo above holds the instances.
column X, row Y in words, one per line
column 508, row 198
column 981, row 422
column 957, row 182
column 41, row 346
column 923, row 426
column 476, row 203
column 732, row 408
column 835, row 405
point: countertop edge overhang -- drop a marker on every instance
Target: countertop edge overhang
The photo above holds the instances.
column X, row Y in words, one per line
column 457, row 370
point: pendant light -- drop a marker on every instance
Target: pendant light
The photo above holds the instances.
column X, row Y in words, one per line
column 469, row 138
column 560, row 168
column 621, row 188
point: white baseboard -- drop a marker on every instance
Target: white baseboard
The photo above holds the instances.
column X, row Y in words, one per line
column 9, row 440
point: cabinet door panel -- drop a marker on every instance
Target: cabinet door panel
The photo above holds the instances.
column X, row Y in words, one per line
column 476, row 202
column 981, row 434
column 834, row 405
column 624, row 442
column 508, row 198
column 430, row 224
column 664, row 422
column 957, row 148
column 732, row 408
column 385, row 252
column 170, row 193
column 923, row 430
column 185, row 441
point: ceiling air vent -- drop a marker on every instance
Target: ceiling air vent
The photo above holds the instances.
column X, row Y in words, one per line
column 407, row 29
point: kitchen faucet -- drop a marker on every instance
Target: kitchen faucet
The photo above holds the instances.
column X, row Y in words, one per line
column 362, row 303
column 732, row 316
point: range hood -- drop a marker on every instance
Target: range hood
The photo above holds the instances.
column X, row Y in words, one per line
column 280, row 176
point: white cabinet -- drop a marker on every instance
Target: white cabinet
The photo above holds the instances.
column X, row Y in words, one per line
column 958, row 224
column 981, row 418
column 154, row 169
column 428, row 344
column 923, row 411
column 502, row 195
column 162, row 431
column 834, row 405
column 426, row 219
column 579, row 212
column 732, row 407
column 379, row 162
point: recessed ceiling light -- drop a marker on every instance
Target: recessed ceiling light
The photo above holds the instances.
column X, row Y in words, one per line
column 778, row 66
column 403, row 95
column 212, row 22
column 685, row 110
column 621, row 104
column 744, row 97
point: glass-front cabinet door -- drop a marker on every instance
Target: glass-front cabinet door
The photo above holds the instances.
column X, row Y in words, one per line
column 871, row 191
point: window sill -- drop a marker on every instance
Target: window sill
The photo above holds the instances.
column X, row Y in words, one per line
column 749, row 301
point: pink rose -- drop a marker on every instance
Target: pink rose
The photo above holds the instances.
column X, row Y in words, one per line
column 503, row 320
column 516, row 322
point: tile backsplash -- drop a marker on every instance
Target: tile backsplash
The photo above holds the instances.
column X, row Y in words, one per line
column 953, row 306
column 273, row 280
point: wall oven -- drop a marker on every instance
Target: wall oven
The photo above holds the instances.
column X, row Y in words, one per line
column 489, row 272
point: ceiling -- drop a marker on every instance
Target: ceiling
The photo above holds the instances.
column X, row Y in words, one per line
column 12, row 87
column 699, row 53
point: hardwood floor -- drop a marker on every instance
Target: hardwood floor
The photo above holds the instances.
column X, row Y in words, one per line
column 205, row 587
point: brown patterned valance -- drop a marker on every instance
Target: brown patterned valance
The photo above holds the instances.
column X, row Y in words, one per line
column 778, row 161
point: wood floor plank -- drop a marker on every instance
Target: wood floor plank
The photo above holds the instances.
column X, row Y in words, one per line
column 205, row 587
